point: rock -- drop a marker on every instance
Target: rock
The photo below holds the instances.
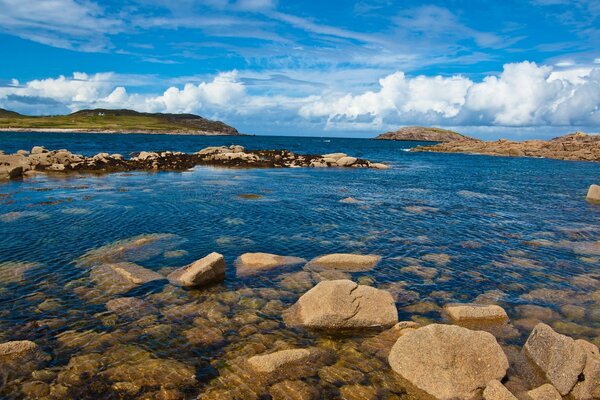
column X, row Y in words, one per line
column 20, row 358
column 281, row 360
column 468, row 313
column 253, row 263
column 38, row 150
column 588, row 386
column 358, row 392
column 334, row 156
column 544, row 392
column 593, row 194
column 207, row 270
column 343, row 304
column 236, row 148
column 350, row 200
column 557, row 356
column 345, row 262
column 120, row 277
column 346, row 161
column 447, row 361
column 293, row 390
column 12, row 166
column 379, row 166
column 35, row 389
column 131, row 307
column 497, row 391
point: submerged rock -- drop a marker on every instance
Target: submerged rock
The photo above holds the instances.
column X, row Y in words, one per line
column 207, row 270
column 20, row 358
column 293, row 390
column 345, row 262
column 343, row 304
column 253, row 263
column 281, row 361
column 560, row 358
column 447, row 361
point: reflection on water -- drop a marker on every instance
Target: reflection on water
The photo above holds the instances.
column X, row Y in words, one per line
column 449, row 228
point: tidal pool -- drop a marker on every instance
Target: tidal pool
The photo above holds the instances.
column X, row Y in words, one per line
column 450, row 228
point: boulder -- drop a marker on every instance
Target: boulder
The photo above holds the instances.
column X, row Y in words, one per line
column 207, row 270
column 343, row 304
column 346, row 161
column 279, row 360
column 293, row 390
column 116, row 278
column 497, row 391
column 253, row 263
column 588, row 386
column 593, row 194
column 560, row 359
column 544, row 392
column 379, row 166
column 448, row 362
column 334, row 156
column 345, row 262
column 470, row 313
column 12, row 166
column 20, row 358
column 38, row 150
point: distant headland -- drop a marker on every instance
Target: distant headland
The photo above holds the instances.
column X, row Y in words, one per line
column 421, row 134
column 114, row 121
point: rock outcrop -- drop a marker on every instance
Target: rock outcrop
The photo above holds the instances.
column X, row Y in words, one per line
column 421, row 134
column 560, row 359
column 343, row 304
column 253, row 263
column 448, row 362
column 576, row 146
column 206, row 271
column 14, row 166
column 593, row 194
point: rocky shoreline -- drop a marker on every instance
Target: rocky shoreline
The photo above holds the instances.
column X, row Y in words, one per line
column 576, row 147
column 457, row 358
column 190, row 132
column 39, row 159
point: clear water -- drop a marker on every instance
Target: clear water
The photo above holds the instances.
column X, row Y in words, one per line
column 514, row 230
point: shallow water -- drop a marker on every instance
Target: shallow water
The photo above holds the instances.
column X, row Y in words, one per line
column 513, row 231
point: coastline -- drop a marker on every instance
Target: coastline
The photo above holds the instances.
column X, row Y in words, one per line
column 120, row 131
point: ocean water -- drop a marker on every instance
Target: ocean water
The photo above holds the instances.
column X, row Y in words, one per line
column 450, row 228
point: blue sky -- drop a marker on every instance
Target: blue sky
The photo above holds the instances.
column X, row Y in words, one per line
column 512, row 69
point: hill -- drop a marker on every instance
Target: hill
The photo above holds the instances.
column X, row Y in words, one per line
column 115, row 121
column 421, row 134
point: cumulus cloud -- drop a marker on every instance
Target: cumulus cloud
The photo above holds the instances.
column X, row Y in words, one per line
column 522, row 95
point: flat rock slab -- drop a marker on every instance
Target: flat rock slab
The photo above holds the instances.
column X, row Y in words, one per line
column 557, row 356
column 472, row 313
column 254, row 263
column 284, row 360
column 345, row 262
column 206, row 271
column 19, row 358
column 343, row 304
column 448, row 362
column 544, row 392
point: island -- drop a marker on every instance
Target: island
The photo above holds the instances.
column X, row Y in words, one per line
column 421, row 134
column 114, row 121
column 576, row 146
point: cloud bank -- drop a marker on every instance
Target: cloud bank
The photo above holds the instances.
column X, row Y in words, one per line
column 522, row 95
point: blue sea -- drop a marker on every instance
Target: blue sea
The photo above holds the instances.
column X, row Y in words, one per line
column 449, row 228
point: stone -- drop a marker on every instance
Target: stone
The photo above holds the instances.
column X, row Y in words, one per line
column 293, row 390
column 468, row 313
column 346, row 161
column 495, row 390
column 253, row 263
column 588, row 386
column 345, row 262
column 557, row 356
column 379, row 166
column 35, row 389
column 544, row 392
column 358, row 392
column 20, row 358
column 343, row 304
column 131, row 307
column 279, row 360
column 447, row 361
column 334, row 156
column 207, row 270
column 593, row 194
column 13, row 166
column 38, row 150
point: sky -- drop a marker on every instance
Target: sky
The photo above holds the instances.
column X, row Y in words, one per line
column 354, row 68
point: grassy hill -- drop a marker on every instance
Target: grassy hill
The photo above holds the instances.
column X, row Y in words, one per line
column 421, row 133
column 102, row 120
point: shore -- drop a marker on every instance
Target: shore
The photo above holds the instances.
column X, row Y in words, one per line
column 575, row 147
column 24, row 163
column 122, row 131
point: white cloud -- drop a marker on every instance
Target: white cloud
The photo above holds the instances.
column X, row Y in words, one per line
column 522, row 95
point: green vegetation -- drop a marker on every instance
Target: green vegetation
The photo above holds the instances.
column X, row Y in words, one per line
column 117, row 120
